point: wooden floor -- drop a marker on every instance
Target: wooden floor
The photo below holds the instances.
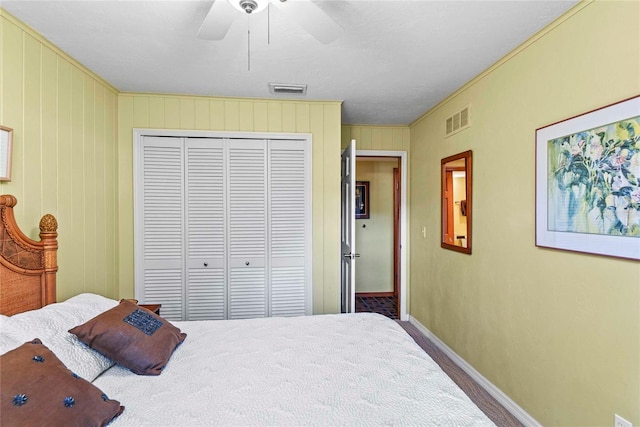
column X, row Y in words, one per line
column 387, row 306
column 494, row 410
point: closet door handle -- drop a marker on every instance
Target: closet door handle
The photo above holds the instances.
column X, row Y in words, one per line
column 206, row 264
column 246, row 263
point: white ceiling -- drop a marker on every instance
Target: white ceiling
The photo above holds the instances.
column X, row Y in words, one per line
column 394, row 61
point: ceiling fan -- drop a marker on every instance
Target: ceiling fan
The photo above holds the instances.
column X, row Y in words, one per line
column 304, row 12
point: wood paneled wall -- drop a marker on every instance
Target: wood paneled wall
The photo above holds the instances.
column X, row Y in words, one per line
column 321, row 119
column 393, row 138
column 64, row 154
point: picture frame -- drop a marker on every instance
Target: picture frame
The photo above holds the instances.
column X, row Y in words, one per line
column 362, row 200
column 588, row 182
column 6, row 141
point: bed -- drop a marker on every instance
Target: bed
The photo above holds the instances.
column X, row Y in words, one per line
column 342, row 369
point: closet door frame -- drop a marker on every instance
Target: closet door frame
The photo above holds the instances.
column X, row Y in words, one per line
column 140, row 133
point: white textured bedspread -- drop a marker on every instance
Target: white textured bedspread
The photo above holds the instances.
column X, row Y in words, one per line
column 330, row 370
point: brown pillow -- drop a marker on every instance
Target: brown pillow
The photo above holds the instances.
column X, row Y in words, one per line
column 38, row 389
column 132, row 336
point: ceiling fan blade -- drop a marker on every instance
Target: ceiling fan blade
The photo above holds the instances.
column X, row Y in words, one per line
column 218, row 20
column 311, row 18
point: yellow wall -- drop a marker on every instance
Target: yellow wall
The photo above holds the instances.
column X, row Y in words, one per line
column 374, row 242
column 558, row 332
column 390, row 138
column 321, row 119
column 64, row 154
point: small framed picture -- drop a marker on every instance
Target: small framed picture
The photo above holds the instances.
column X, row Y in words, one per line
column 6, row 137
column 362, row 199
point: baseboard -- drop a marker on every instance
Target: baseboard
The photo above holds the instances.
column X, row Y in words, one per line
column 494, row 391
column 374, row 294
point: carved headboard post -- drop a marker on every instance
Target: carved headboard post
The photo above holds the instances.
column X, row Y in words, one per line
column 27, row 267
column 49, row 240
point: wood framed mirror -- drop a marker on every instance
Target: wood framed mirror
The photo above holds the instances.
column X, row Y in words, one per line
column 456, row 202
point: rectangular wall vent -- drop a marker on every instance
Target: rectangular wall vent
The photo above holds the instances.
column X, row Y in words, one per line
column 287, row 89
column 457, row 122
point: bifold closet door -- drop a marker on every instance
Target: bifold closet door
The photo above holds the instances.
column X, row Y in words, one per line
column 205, row 212
column 288, row 222
column 223, row 227
column 247, row 228
column 162, row 224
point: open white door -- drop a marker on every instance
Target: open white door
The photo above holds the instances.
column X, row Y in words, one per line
column 348, row 239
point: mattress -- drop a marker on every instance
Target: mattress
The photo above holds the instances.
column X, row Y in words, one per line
column 347, row 369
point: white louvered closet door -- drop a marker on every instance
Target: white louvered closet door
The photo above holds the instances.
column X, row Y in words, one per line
column 162, row 224
column 205, row 212
column 288, row 202
column 247, row 232
column 223, row 226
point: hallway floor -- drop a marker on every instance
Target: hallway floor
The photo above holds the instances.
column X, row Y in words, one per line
column 387, row 306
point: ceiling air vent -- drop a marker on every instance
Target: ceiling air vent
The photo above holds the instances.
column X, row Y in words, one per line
column 458, row 121
column 287, row 89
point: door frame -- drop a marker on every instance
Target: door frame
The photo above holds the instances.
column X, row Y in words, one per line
column 404, row 247
column 396, row 230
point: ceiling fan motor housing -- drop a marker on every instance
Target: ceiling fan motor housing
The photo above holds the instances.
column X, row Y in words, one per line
column 248, row 5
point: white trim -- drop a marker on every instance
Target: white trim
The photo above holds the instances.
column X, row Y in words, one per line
column 137, row 220
column 403, row 221
column 140, row 132
column 494, row 391
column 308, row 231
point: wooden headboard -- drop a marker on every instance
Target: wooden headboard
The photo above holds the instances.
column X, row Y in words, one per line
column 27, row 268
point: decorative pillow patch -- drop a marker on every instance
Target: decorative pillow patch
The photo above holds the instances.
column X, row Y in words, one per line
column 132, row 336
column 38, row 389
column 143, row 321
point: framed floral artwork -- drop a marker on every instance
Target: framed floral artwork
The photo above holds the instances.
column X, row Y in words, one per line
column 588, row 182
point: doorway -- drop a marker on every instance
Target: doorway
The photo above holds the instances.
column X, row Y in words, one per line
column 380, row 271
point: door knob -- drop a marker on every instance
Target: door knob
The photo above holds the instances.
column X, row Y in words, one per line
column 206, row 264
column 246, row 263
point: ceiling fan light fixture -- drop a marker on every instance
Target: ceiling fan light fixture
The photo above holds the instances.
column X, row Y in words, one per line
column 249, row 6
